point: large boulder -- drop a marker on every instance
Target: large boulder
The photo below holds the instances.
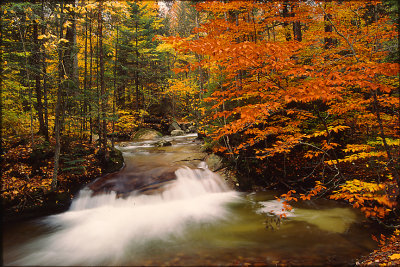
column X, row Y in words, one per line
column 177, row 133
column 115, row 161
column 146, row 134
column 163, row 143
column 214, row 162
column 174, row 126
column 146, row 181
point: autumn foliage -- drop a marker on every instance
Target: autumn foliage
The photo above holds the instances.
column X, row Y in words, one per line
column 302, row 94
column 325, row 96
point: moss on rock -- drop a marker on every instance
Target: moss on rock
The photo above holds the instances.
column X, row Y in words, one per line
column 146, row 134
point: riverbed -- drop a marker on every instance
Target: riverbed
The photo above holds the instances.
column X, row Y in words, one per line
column 192, row 218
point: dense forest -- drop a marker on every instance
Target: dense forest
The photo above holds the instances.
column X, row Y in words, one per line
column 298, row 95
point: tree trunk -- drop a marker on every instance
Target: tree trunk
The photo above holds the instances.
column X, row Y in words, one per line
column 59, row 103
column 85, row 79
column 38, row 89
column 102, row 86
column 71, row 55
column 286, row 14
column 90, row 77
column 297, row 31
column 115, row 89
column 44, row 71
column 27, row 73
column 383, row 137
column 57, row 149
column 137, row 68
column 328, row 41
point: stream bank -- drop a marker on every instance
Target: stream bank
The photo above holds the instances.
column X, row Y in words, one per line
column 26, row 185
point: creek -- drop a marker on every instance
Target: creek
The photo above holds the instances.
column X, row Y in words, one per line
column 165, row 207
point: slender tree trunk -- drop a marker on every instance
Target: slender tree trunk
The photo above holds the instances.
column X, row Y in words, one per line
column 286, row 14
column 383, row 137
column 59, row 103
column 85, row 89
column 115, row 89
column 296, row 25
column 254, row 26
column 137, row 67
column 27, row 72
column 1, row 97
column 102, row 85
column 57, row 136
column 98, row 87
column 44, row 72
column 38, row 89
column 328, row 41
column 90, row 77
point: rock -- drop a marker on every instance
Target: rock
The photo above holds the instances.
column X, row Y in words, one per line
column 114, row 163
column 146, row 134
column 174, row 126
column 229, row 177
column 95, row 137
column 148, row 181
column 183, row 126
column 163, row 143
column 191, row 129
column 214, row 162
column 200, row 136
column 177, row 133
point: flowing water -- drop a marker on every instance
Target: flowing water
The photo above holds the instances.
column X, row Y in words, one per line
column 194, row 219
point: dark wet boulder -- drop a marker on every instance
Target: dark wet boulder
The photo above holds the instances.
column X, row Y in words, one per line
column 214, row 162
column 163, row 143
column 114, row 163
column 174, row 126
column 141, row 182
column 177, row 133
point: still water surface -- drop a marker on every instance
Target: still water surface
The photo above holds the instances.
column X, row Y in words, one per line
column 193, row 220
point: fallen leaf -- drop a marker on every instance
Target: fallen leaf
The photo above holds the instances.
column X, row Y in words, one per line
column 395, row 256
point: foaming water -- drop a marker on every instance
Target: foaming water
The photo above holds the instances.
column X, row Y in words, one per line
column 99, row 229
column 275, row 207
column 193, row 220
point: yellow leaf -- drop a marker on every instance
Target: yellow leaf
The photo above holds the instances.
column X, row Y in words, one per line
column 63, row 40
column 395, row 256
column 67, row 24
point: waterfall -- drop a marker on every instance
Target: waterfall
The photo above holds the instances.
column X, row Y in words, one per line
column 99, row 229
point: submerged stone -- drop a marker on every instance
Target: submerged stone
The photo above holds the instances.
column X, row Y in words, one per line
column 177, row 133
column 163, row 143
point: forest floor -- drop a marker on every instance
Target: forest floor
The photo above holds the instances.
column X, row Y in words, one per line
column 388, row 253
column 27, row 172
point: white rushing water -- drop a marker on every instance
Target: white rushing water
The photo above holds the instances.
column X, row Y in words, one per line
column 275, row 207
column 99, row 229
column 195, row 220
